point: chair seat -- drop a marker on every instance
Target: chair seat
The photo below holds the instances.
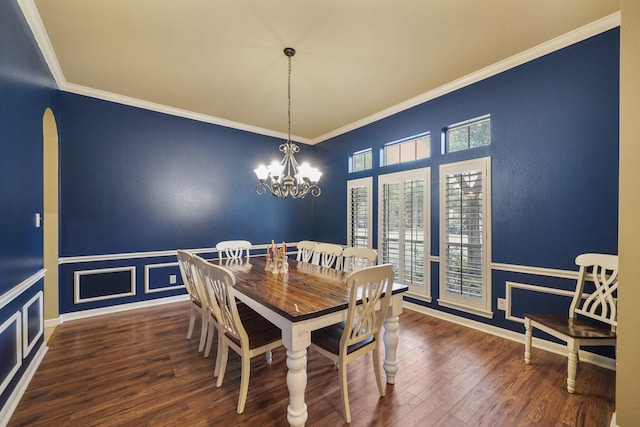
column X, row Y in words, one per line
column 574, row 328
column 259, row 330
column 328, row 338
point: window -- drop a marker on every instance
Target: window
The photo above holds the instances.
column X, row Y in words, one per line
column 360, row 161
column 466, row 135
column 359, row 209
column 465, row 247
column 403, row 231
column 407, row 150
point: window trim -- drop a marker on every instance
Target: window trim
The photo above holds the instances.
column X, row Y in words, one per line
column 383, row 157
column 422, row 292
column 465, row 123
column 368, row 184
column 483, row 307
column 355, row 153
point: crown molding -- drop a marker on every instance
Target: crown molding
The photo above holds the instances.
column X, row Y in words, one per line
column 582, row 33
column 161, row 108
column 32, row 17
column 572, row 37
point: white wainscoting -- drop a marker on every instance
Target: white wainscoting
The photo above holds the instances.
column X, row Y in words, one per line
column 17, row 325
column 27, row 345
column 147, row 285
column 79, row 273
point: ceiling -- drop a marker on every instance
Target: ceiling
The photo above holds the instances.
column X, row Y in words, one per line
column 222, row 61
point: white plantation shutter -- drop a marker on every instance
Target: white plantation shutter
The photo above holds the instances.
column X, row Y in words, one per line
column 390, row 230
column 464, row 248
column 403, row 234
column 359, row 209
column 413, row 256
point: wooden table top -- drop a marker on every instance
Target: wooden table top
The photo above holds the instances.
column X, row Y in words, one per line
column 305, row 292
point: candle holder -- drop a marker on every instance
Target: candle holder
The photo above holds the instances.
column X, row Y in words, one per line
column 282, row 265
column 277, row 261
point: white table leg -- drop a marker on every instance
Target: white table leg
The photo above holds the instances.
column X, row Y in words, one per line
column 390, row 339
column 297, row 382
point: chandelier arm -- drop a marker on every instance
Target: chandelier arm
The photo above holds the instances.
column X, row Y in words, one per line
column 293, row 162
column 315, row 190
column 277, row 189
column 262, row 189
column 295, row 192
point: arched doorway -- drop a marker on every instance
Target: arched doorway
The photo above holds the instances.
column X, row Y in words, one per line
column 50, row 217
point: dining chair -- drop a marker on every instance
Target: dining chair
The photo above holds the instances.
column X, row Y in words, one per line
column 305, row 250
column 209, row 305
column 239, row 327
column 233, row 249
column 354, row 259
column 370, row 295
column 187, row 266
column 592, row 318
column 327, row 255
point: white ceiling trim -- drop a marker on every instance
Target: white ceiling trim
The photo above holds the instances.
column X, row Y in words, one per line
column 160, row 108
column 32, row 16
column 575, row 36
column 37, row 28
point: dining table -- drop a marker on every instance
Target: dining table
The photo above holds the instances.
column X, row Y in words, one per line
column 305, row 298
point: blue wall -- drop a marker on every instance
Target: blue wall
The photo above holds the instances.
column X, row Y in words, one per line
column 26, row 90
column 554, row 151
column 135, row 180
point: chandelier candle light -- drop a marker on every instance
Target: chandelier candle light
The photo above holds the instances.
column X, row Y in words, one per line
column 299, row 180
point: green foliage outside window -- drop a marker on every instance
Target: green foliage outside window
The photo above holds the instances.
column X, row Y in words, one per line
column 468, row 135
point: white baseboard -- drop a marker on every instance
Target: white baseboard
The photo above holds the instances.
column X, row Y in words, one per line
column 118, row 308
column 51, row 323
column 584, row 356
column 12, row 403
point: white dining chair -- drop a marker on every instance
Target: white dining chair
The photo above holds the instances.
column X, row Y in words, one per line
column 233, row 249
column 354, row 259
column 187, row 266
column 210, row 311
column 239, row 327
column 370, row 295
column 305, row 250
column 327, row 255
column 592, row 318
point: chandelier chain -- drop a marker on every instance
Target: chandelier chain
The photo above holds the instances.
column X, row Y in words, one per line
column 289, row 102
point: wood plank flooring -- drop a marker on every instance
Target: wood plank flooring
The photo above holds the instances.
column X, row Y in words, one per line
column 136, row 368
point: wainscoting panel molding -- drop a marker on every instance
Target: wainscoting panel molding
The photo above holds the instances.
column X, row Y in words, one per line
column 32, row 318
column 104, row 294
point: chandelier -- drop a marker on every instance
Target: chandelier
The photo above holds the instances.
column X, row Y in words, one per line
column 299, row 180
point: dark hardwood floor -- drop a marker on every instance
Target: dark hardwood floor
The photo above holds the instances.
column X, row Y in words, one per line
column 136, row 368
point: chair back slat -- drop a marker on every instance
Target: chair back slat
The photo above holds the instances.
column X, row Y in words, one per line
column 358, row 258
column 327, row 255
column 598, row 272
column 233, row 249
column 305, row 250
column 370, row 295
column 186, row 264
